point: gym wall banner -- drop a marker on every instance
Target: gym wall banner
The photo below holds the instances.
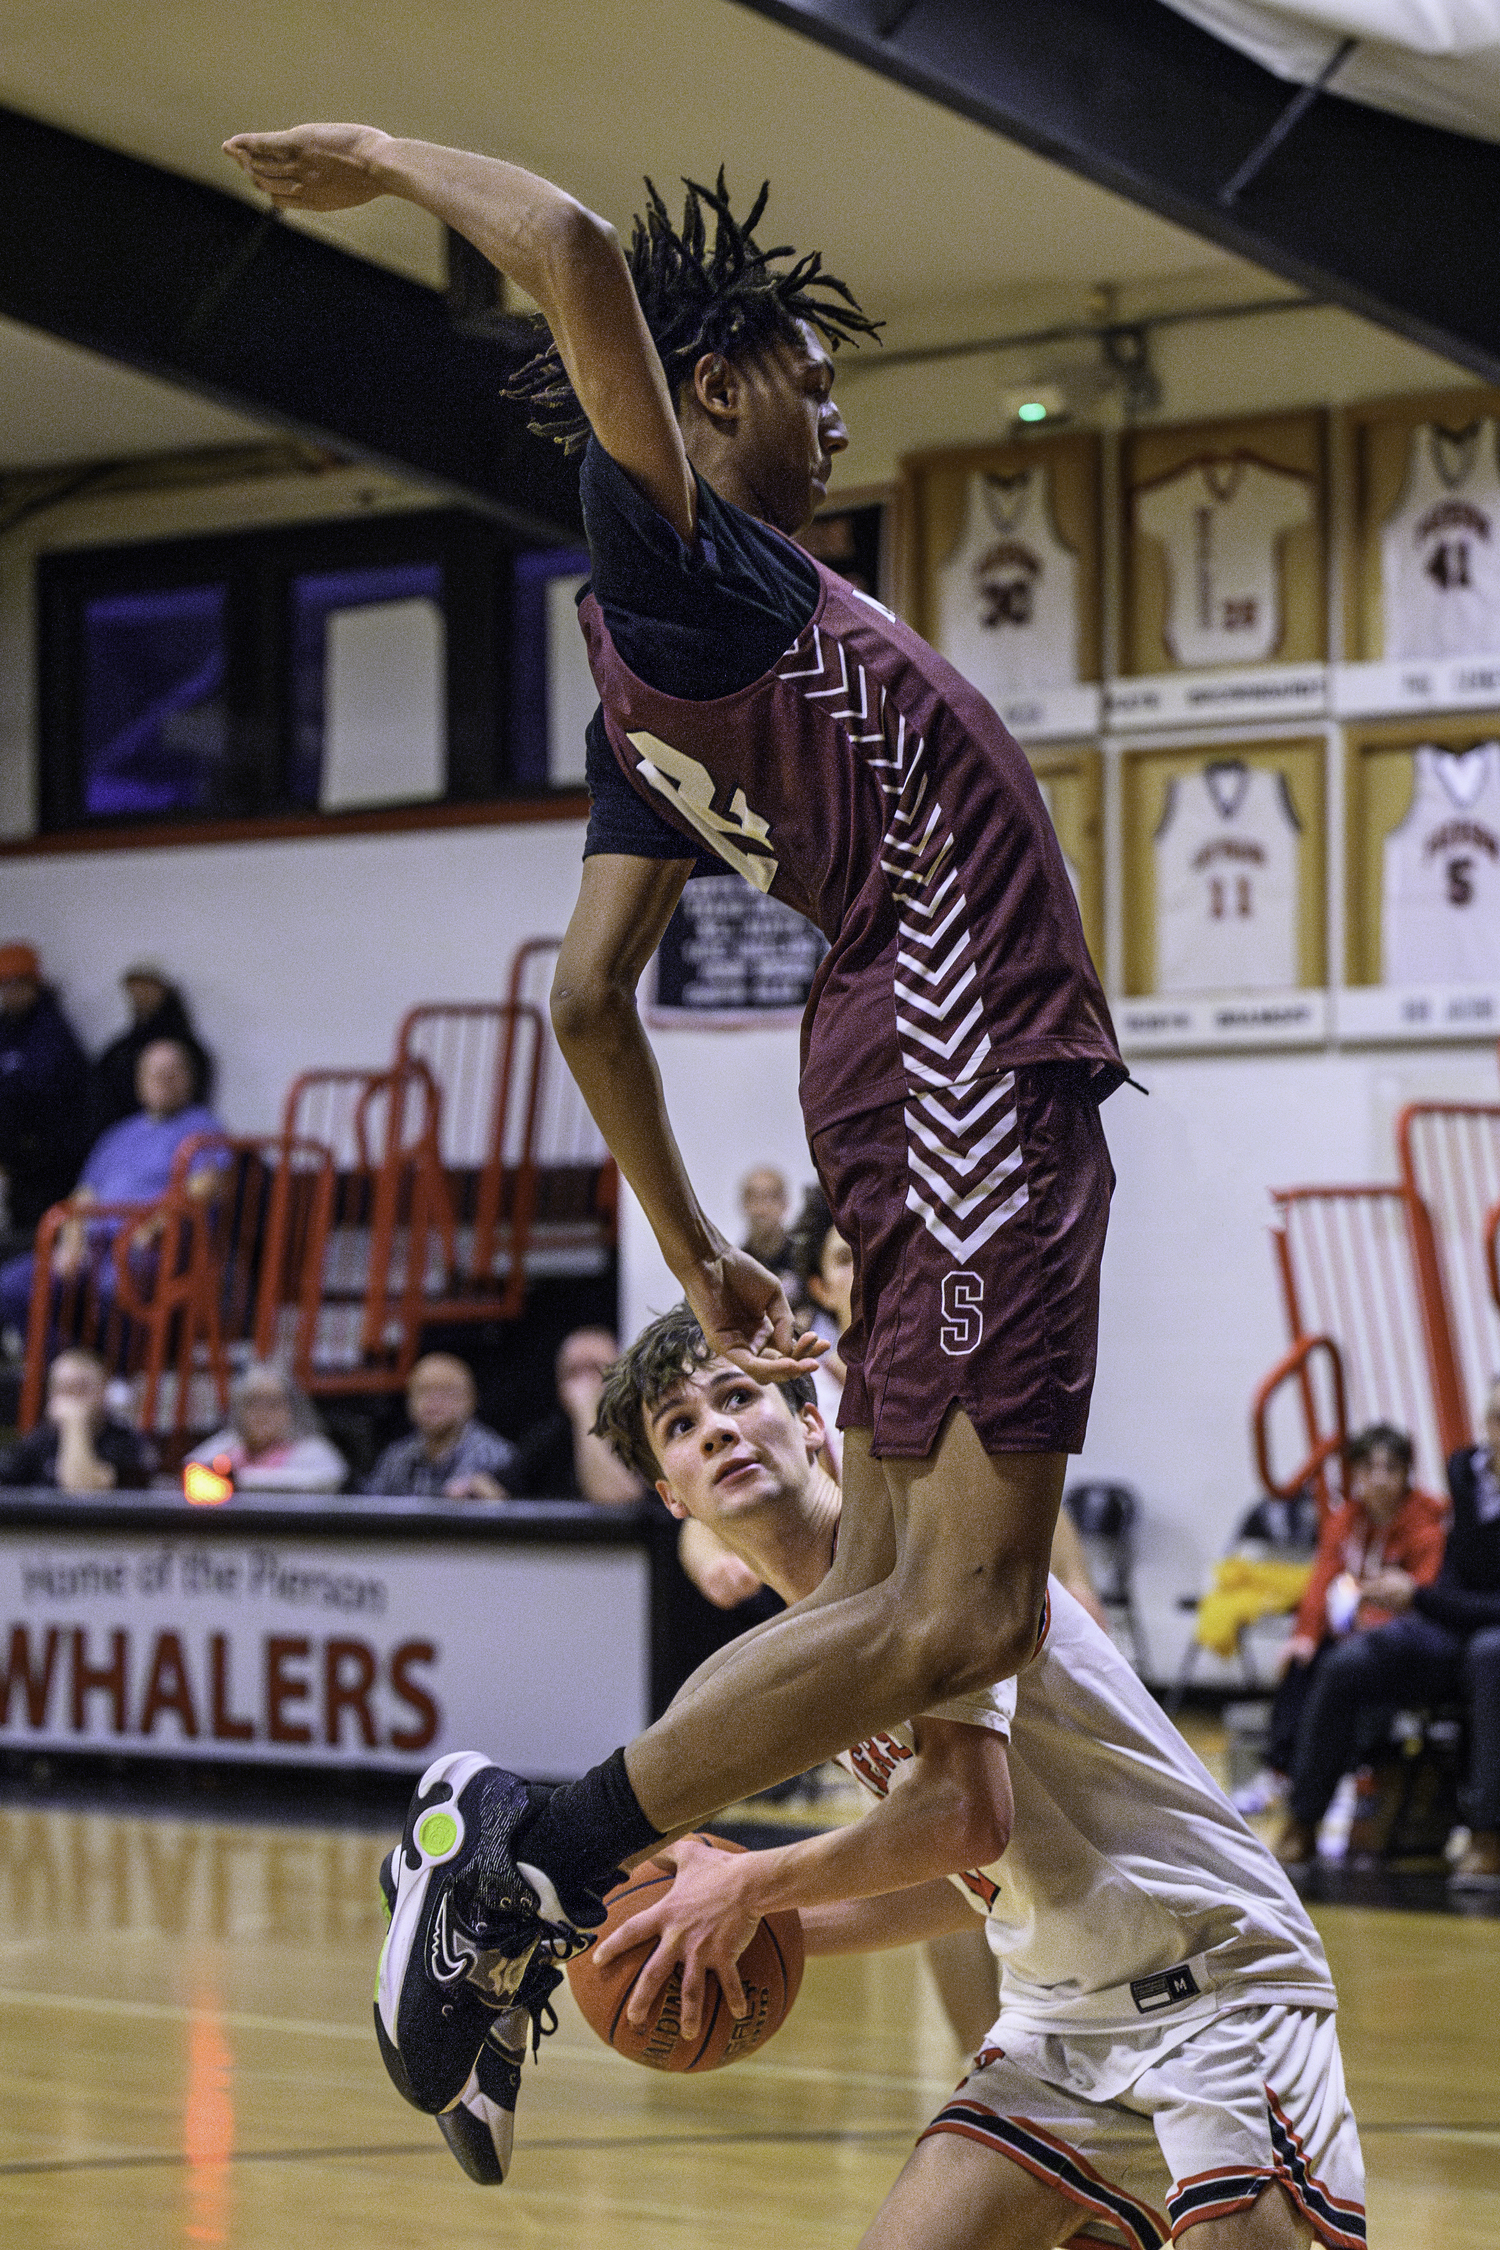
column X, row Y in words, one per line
column 731, row 957
column 297, row 1652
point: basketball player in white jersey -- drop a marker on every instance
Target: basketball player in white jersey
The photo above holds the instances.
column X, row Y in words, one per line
column 1165, row 2059
column 1440, row 899
column 1226, row 882
column 1008, row 593
column 1221, row 521
column 1440, row 547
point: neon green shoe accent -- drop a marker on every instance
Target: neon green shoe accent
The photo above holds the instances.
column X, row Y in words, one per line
column 380, row 1963
column 437, row 1834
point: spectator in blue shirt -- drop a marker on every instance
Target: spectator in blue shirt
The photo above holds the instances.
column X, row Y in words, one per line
column 131, row 1163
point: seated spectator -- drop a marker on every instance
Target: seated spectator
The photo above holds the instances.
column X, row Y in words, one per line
column 42, row 1079
column 765, row 1201
column 1444, row 1644
column 130, row 1163
column 561, row 1459
column 157, row 1011
column 449, row 1455
column 78, row 1446
column 272, row 1442
column 1386, row 1530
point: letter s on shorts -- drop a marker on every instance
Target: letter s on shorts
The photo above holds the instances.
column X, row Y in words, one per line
column 963, row 1321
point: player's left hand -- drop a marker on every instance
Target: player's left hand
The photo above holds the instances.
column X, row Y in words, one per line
column 744, row 1315
column 703, row 1922
column 312, row 167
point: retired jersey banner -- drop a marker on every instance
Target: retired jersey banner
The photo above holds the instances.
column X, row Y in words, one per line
column 334, row 1653
column 731, row 956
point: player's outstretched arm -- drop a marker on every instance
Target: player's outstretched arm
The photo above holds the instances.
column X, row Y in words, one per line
column 952, row 1812
column 875, row 1925
column 624, row 905
column 561, row 254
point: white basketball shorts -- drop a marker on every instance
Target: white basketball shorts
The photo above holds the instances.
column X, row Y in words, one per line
column 1254, row 2095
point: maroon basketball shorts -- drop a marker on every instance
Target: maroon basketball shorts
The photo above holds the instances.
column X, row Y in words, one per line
column 976, row 1215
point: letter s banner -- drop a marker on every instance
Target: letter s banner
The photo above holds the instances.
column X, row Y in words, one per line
column 963, row 1324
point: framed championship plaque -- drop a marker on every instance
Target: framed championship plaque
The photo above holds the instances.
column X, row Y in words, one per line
column 1225, row 545
column 1423, row 577
column 1224, row 859
column 1423, row 802
column 1001, row 573
column 1071, row 780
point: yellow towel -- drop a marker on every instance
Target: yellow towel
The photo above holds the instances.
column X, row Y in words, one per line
column 1244, row 1589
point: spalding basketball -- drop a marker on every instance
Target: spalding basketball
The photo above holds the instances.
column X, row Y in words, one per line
column 770, row 1970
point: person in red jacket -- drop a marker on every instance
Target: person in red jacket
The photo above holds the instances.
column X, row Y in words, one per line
column 1383, row 1522
column 1387, row 1535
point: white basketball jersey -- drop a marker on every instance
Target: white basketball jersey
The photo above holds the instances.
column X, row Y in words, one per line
column 1440, row 904
column 1008, row 593
column 1221, row 522
column 1226, row 883
column 1126, row 1866
column 1440, row 547
column 1045, row 787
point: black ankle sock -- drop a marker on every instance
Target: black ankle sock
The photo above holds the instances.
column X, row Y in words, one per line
column 579, row 1833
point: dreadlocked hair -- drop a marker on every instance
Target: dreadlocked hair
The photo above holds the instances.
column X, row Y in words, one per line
column 698, row 300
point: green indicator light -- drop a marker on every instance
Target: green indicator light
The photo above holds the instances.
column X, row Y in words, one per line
column 1032, row 411
column 437, row 1834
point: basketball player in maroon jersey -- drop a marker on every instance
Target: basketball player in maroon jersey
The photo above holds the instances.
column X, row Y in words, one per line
column 759, row 713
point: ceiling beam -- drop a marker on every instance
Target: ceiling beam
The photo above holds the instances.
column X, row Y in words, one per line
column 1391, row 219
column 201, row 289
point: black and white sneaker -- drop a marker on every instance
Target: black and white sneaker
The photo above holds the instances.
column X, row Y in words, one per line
column 480, row 2127
column 466, row 1921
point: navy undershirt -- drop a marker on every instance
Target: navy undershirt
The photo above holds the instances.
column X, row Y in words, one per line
column 692, row 622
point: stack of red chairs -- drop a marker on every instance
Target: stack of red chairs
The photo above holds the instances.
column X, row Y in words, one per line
column 431, row 1189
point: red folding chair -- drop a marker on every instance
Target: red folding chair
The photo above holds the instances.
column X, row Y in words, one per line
column 1450, row 1157
column 484, row 1059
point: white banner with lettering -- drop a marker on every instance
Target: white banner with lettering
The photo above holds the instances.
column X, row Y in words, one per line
column 298, row 1652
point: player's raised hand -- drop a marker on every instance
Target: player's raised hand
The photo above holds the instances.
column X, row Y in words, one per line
column 744, row 1315
column 704, row 1922
column 312, row 167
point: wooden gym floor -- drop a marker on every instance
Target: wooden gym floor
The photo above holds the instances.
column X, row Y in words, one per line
column 186, row 2058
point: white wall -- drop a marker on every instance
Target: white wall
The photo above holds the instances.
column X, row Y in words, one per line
column 299, row 952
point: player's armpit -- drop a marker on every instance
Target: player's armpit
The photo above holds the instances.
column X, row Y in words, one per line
column 873, row 1925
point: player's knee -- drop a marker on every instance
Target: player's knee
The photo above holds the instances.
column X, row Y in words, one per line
column 968, row 1645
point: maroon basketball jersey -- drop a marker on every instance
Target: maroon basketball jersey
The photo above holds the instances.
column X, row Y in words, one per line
column 867, row 784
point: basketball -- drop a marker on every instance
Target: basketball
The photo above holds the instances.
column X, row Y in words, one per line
column 770, row 1970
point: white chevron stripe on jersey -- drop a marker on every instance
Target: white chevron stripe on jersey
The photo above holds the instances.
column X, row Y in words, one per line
column 963, row 1205
column 936, row 1008
column 941, row 1143
column 934, row 1217
column 960, row 1183
column 958, row 1109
